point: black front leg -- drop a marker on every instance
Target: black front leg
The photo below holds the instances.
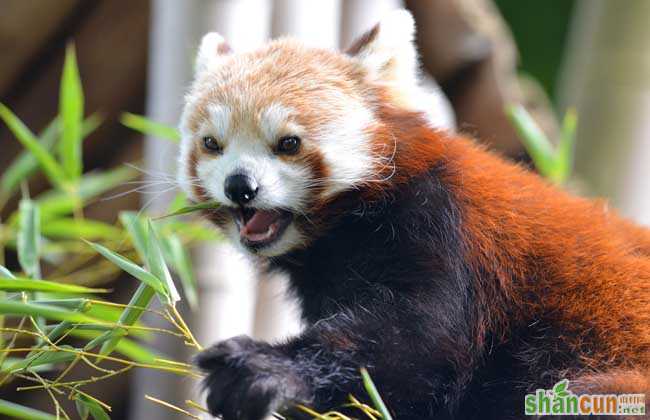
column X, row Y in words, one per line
column 413, row 366
column 248, row 379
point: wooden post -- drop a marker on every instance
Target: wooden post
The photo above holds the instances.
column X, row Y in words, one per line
column 607, row 78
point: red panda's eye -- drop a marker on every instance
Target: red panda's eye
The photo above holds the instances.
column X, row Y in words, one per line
column 288, row 145
column 211, row 144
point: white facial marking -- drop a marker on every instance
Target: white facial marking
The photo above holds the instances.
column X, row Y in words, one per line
column 248, row 133
column 274, row 119
column 185, row 152
column 345, row 146
column 219, row 123
column 281, row 185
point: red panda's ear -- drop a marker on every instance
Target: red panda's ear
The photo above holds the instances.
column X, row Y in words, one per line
column 387, row 50
column 212, row 47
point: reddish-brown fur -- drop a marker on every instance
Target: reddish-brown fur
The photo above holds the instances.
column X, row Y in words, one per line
column 553, row 253
column 496, row 278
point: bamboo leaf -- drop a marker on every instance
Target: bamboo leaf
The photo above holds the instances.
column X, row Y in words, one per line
column 34, row 285
column 191, row 231
column 181, row 262
column 137, row 229
column 179, row 201
column 9, row 361
column 553, row 163
column 82, row 409
column 109, row 314
column 39, row 359
column 95, row 410
column 81, row 229
column 67, row 303
column 193, row 208
column 125, row 347
column 18, row 411
column 150, row 128
column 4, row 272
column 94, row 184
column 534, row 140
column 51, row 312
column 55, row 204
column 91, row 124
column 56, row 331
column 138, row 233
column 131, row 314
column 54, row 172
column 131, row 268
column 566, row 147
column 157, row 265
column 28, row 238
column 71, row 104
column 25, row 164
column 371, row 389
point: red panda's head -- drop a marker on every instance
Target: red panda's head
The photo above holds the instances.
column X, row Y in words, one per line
column 275, row 134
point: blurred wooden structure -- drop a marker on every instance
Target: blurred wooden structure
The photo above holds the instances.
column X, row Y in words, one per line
column 607, row 79
column 111, row 39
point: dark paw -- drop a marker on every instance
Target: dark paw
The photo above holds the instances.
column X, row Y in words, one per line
column 248, row 380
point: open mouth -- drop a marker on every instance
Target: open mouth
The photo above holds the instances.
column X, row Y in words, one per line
column 258, row 227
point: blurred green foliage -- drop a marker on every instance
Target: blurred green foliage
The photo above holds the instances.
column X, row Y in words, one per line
column 552, row 162
column 540, row 29
column 49, row 297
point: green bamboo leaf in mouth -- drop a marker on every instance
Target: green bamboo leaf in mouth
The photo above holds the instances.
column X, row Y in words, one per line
column 207, row 205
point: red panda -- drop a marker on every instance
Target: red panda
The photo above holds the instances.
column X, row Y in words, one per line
column 459, row 280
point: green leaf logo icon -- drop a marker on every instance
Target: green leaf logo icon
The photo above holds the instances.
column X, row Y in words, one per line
column 560, row 389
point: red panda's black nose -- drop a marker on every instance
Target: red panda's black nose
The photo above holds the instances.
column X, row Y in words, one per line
column 240, row 188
